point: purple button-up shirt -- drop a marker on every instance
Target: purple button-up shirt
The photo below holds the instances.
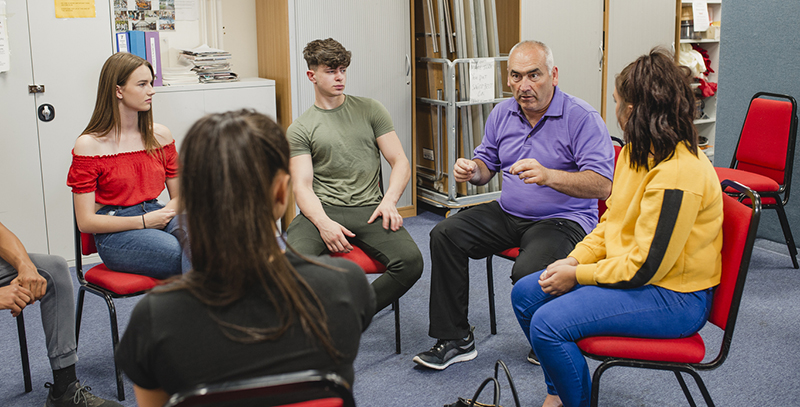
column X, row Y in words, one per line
column 571, row 136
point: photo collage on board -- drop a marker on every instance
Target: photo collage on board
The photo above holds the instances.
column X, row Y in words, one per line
column 144, row 15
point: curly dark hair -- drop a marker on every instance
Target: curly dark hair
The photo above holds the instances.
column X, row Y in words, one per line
column 328, row 52
column 663, row 107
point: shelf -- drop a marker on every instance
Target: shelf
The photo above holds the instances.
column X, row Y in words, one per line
column 701, row 41
column 705, row 121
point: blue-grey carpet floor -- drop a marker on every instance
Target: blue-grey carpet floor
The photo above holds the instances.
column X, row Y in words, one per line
column 761, row 368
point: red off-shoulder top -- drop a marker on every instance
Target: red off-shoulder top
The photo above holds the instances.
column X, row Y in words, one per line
column 123, row 179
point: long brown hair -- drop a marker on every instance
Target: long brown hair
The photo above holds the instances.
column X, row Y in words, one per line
column 663, row 108
column 106, row 117
column 229, row 162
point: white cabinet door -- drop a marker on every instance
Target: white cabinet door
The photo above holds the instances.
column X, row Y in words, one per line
column 573, row 29
column 634, row 30
column 65, row 55
column 378, row 33
column 22, row 202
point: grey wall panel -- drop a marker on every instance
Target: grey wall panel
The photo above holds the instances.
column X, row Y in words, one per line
column 573, row 29
column 378, row 34
column 759, row 51
column 634, row 28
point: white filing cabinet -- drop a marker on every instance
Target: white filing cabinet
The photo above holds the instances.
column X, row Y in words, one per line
column 178, row 107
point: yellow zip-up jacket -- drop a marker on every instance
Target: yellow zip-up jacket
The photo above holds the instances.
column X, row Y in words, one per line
column 662, row 227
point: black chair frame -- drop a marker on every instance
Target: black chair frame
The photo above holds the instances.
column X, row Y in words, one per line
column 106, row 295
column 693, row 368
column 272, row 390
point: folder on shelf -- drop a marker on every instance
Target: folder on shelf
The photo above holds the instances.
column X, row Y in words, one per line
column 122, row 42
column 153, row 51
column 136, row 43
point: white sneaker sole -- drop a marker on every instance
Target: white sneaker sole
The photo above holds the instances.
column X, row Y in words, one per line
column 460, row 358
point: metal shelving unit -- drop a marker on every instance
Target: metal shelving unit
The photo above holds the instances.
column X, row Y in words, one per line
column 453, row 70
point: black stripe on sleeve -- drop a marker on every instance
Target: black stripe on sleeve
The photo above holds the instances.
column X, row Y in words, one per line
column 670, row 208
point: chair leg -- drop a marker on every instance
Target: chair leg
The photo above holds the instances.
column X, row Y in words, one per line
column 701, row 385
column 112, row 313
column 23, row 352
column 787, row 233
column 396, row 306
column 490, row 284
column 685, row 388
column 78, row 314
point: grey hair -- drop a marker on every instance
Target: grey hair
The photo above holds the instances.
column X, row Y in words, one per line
column 549, row 62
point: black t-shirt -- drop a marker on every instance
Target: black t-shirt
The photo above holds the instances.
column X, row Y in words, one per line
column 172, row 342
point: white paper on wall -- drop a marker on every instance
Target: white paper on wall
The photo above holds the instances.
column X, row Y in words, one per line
column 481, row 80
column 4, row 51
column 187, row 10
column 700, row 13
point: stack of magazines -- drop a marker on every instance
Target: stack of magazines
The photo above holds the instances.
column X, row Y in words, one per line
column 211, row 65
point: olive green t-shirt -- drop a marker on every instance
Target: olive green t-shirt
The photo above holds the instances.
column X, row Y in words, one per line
column 344, row 150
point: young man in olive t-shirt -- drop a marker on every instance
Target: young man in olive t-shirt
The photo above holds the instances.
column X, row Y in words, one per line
column 335, row 166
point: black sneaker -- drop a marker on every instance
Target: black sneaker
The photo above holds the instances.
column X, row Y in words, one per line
column 446, row 352
column 533, row 358
column 77, row 395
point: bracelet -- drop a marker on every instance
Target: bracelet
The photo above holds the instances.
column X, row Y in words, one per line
column 143, row 225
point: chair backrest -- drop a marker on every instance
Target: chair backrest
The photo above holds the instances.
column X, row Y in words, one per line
column 766, row 143
column 738, row 236
column 601, row 203
column 310, row 388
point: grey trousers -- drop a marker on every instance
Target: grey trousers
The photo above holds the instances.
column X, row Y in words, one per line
column 57, row 306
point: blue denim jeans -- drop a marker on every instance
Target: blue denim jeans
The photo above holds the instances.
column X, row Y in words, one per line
column 553, row 324
column 151, row 252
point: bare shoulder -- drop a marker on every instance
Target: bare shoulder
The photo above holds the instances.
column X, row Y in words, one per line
column 162, row 133
column 89, row 144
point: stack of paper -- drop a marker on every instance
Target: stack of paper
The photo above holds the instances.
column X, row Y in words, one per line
column 209, row 64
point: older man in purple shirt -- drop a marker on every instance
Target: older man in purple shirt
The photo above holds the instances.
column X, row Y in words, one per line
column 556, row 159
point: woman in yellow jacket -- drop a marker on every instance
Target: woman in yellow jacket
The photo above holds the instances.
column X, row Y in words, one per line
column 649, row 267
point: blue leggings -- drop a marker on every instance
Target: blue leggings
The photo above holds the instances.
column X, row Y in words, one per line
column 554, row 323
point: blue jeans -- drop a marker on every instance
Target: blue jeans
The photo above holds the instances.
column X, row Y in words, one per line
column 554, row 323
column 150, row 252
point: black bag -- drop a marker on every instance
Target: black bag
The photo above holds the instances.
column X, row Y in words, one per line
column 473, row 402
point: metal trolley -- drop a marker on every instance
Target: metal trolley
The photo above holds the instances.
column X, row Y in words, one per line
column 451, row 103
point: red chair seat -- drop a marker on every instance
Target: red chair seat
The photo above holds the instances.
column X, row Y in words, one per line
column 119, row 283
column 753, row 181
column 367, row 263
column 329, row 402
column 756, row 182
column 511, row 253
column 683, row 350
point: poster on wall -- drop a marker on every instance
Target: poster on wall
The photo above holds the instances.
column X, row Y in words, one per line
column 75, row 9
column 144, row 15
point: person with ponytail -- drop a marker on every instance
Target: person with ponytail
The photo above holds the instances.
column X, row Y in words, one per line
column 649, row 267
column 246, row 308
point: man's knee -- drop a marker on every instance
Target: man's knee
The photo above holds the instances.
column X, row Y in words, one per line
column 446, row 230
column 409, row 264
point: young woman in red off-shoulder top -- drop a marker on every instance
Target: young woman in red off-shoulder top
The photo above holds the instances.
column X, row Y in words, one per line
column 120, row 165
